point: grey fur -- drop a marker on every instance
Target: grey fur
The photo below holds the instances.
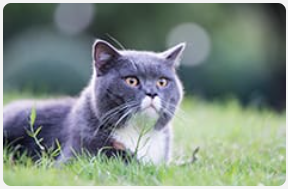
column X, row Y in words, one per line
column 78, row 123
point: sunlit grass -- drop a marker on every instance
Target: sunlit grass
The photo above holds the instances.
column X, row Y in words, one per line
column 238, row 146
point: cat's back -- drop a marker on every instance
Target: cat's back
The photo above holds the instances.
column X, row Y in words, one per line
column 50, row 106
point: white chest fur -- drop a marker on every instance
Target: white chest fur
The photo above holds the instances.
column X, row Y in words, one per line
column 140, row 137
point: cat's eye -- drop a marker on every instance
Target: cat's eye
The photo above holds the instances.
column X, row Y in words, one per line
column 132, row 81
column 162, row 82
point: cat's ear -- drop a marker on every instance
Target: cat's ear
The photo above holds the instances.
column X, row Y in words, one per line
column 103, row 53
column 173, row 55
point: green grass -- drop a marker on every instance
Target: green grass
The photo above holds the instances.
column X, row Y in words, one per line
column 238, row 146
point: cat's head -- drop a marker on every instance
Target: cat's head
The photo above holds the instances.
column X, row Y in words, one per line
column 128, row 82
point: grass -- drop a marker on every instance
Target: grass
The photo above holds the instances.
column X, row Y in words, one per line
column 238, row 146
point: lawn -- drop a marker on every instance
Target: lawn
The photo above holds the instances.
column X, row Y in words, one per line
column 238, row 146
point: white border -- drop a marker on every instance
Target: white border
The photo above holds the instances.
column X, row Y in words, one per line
column 2, row 3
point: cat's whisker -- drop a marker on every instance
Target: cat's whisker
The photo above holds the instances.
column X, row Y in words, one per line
column 173, row 114
column 118, row 108
column 105, row 119
column 121, row 118
column 116, row 41
column 110, row 116
column 177, row 108
column 119, row 121
column 116, row 111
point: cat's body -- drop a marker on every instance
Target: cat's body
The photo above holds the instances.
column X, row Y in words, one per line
column 127, row 107
column 50, row 115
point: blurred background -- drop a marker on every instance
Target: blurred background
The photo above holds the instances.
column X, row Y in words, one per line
column 233, row 50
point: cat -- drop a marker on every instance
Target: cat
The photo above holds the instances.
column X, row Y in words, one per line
column 126, row 108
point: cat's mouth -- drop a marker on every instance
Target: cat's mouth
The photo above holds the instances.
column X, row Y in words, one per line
column 150, row 108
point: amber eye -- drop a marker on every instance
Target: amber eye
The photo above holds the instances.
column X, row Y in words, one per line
column 162, row 82
column 132, row 81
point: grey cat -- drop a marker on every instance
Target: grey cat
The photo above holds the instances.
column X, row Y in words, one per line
column 126, row 108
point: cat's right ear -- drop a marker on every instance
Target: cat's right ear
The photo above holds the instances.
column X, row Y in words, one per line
column 103, row 54
column 174, row 54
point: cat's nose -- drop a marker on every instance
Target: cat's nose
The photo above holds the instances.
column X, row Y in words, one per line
column 151, row 95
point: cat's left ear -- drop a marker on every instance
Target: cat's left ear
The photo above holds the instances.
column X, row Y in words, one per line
column 173, row 55
column 103, row 54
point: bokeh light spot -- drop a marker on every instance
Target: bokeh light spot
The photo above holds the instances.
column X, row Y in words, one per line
column 73, row 18
column 197, row 40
